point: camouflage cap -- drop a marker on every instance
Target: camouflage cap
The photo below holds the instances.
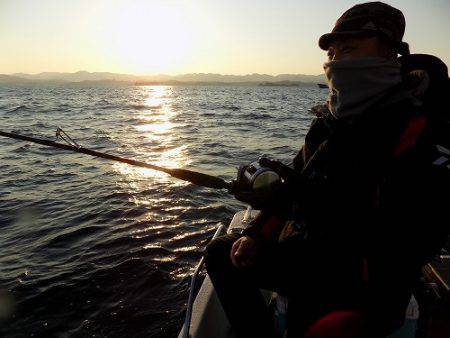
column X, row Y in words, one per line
column 365, row 20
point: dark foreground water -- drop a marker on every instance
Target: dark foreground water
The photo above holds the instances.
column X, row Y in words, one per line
column 96, row 248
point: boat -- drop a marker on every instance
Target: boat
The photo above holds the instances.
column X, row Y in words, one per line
column 205, row 317
column 322, row 85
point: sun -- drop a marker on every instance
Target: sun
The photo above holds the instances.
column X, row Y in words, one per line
column 150, row 37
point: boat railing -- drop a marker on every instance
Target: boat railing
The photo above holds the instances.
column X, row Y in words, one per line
column 193, row 287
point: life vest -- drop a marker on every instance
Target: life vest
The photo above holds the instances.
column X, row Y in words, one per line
column 432, row 128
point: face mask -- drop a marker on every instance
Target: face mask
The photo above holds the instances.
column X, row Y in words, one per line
column 358, row 84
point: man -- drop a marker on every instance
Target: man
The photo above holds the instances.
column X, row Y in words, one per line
column 364, row 197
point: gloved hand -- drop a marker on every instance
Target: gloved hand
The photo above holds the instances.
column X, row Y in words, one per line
column 257, row 200
column 243, row 252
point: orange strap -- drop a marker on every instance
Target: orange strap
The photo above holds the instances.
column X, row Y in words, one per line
column 409, row 137
column 365, row 270
column 272, row 227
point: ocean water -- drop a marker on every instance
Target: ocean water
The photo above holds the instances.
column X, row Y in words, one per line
column 93, row 248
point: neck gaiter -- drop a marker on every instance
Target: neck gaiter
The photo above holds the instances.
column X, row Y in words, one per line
column 356, row 85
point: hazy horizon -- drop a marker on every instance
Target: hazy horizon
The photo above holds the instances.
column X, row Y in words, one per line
column 188, row 78
column 173, row 37
column 157, row 74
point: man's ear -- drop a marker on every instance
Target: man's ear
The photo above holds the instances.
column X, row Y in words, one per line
column 391, row 54
column 388, row 52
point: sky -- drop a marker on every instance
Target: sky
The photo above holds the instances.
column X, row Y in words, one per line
column 191, row 36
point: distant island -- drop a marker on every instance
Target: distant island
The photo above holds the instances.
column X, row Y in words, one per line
column 105, row 78
column 284, row 84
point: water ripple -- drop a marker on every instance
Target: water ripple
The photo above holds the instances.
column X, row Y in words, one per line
column 95, row 248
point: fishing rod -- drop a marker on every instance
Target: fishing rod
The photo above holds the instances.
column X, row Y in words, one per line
column 194, row 177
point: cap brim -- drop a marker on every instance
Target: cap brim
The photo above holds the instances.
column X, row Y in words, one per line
column 326, row 39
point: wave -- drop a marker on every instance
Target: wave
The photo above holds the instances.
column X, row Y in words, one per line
column 234, row 108
column 219, row 107
column 258, row 116
column 22, row 107
column 144, row 106
column 117, row 245
column 23, row 148
column 70, row 237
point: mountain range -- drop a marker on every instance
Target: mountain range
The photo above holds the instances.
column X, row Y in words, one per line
column 84, row 77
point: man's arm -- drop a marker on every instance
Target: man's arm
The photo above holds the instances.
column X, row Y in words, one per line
column 269, row 223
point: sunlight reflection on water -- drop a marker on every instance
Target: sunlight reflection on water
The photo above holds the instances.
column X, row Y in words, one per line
column 159, row 129
column 123, row 239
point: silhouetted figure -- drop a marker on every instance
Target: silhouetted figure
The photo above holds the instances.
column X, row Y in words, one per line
column 345, row 236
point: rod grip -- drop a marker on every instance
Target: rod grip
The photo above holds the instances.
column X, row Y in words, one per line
column 201, row 179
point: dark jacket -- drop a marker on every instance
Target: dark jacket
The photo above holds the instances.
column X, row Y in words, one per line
column 371, row 190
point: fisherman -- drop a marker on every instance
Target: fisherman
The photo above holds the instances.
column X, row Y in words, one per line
column 360, row 213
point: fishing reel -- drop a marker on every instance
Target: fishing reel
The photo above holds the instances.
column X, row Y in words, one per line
column 265, row 183
column 256, row 178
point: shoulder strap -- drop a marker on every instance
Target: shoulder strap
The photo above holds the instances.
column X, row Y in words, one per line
column 410, row 135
